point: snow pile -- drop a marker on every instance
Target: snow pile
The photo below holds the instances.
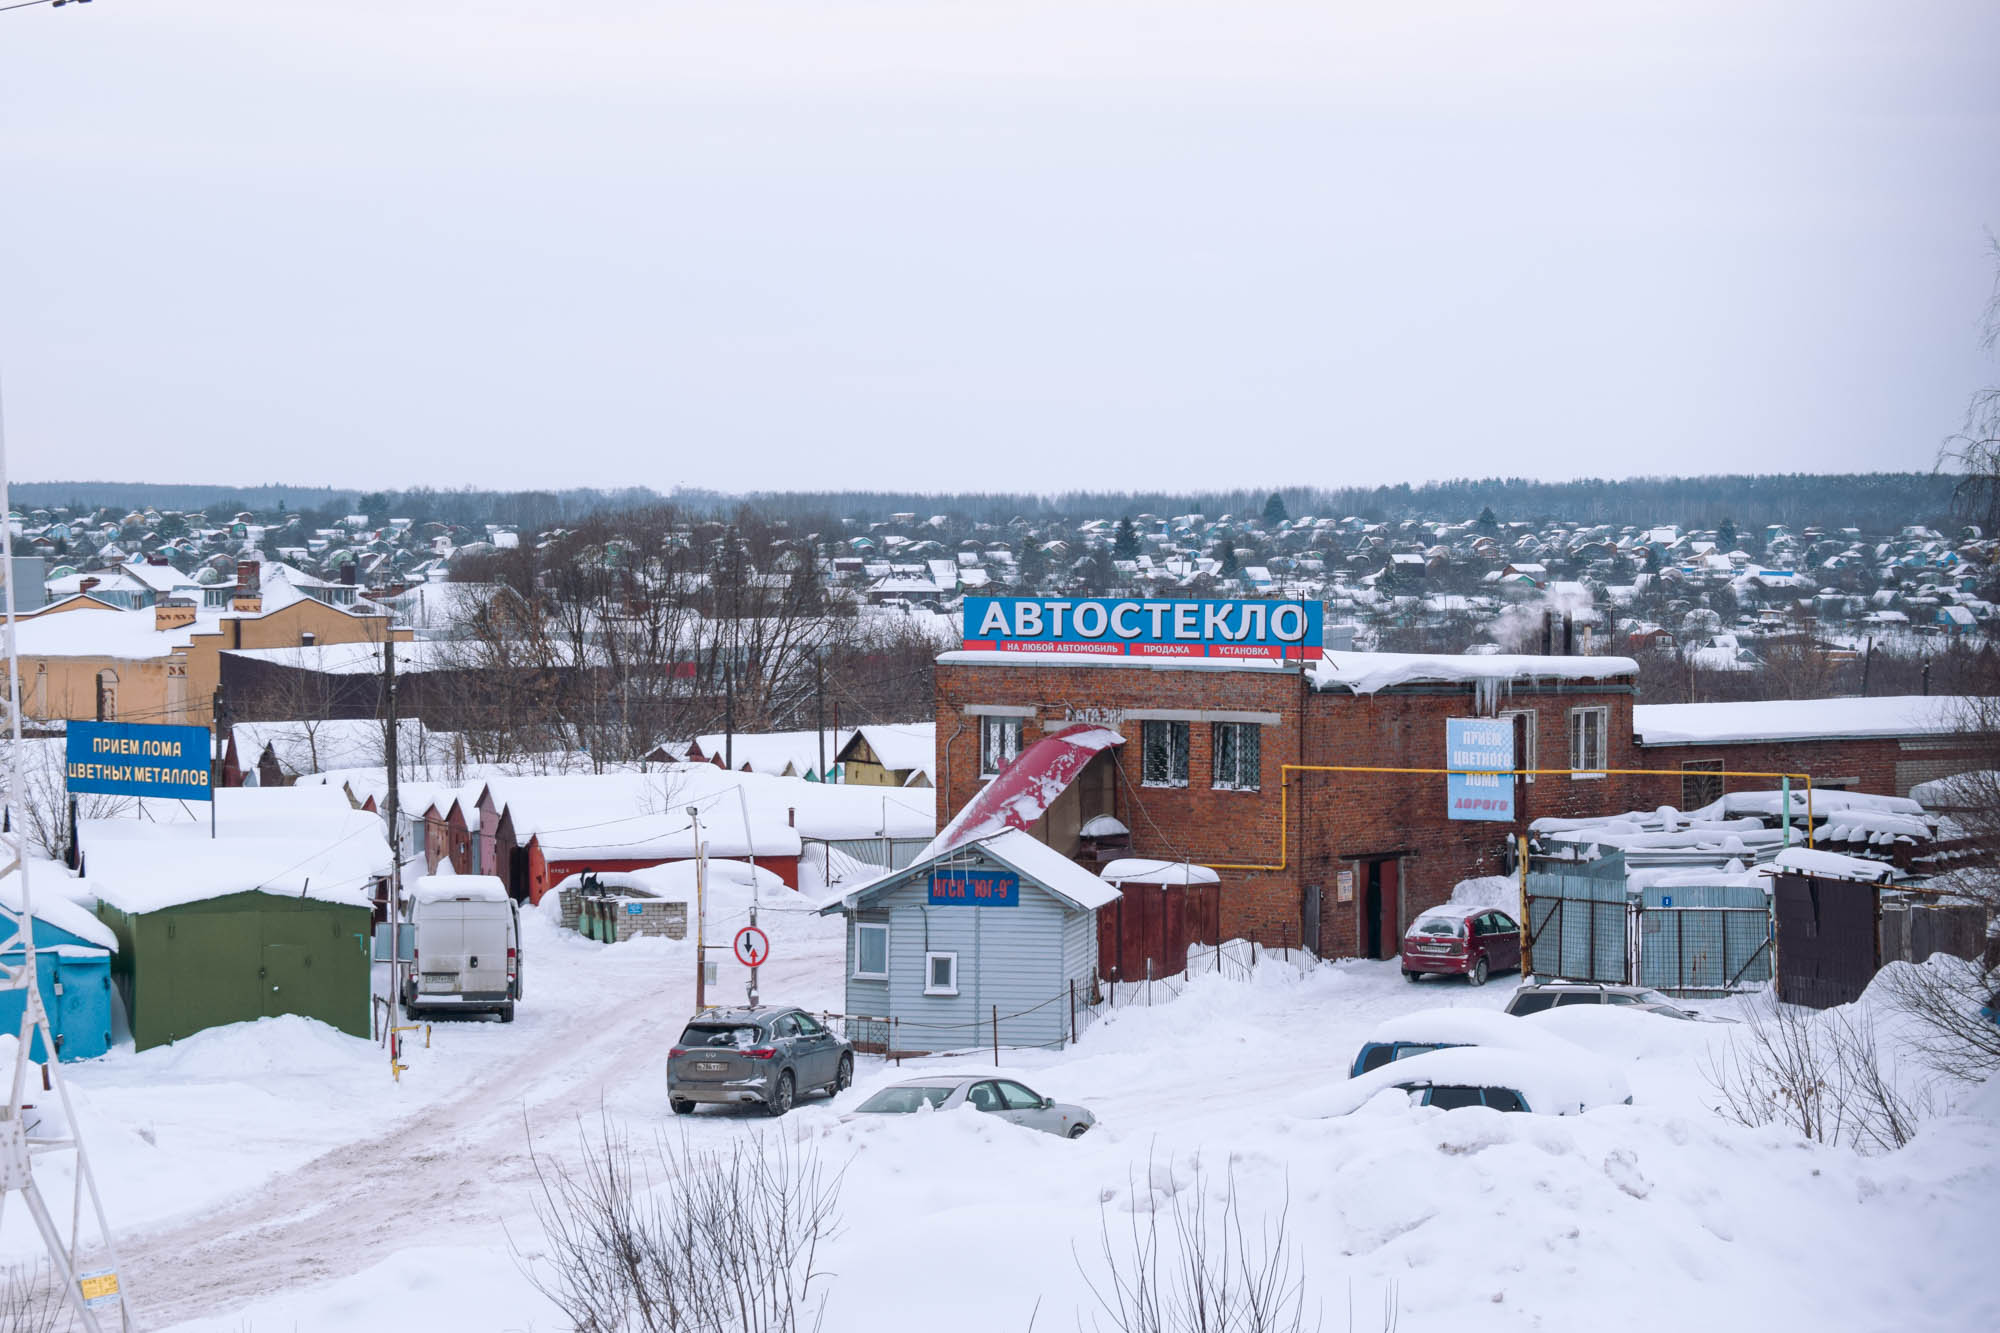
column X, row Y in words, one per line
column 1800, row 719
column 1832, row 865
column 449, row 887
column 1487, row 892
column 1138, row 870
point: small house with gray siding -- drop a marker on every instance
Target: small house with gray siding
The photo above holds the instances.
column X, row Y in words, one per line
column 999, row 930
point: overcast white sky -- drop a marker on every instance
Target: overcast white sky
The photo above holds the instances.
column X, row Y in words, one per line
column 995, row 244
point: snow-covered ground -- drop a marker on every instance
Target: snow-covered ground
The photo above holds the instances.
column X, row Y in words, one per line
column 272, row 1176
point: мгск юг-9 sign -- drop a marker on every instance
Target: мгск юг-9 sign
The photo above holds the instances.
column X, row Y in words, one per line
column 1146, row 627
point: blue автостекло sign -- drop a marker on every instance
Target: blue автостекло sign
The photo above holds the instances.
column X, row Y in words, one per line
column 1146, row 626
column 1480, row 743
column 123, row 759
column 975, row 888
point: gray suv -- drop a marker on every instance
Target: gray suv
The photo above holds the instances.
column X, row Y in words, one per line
column 767, row 1055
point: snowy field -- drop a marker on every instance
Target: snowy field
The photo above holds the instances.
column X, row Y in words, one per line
column 272, row 1176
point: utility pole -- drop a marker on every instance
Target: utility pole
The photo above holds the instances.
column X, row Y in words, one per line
column 395, row 815
column 220, row 708
column 750, row 841
column 819, row 706
column 700, row 916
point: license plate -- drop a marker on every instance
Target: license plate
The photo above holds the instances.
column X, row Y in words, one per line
column 437, row 985
column 1435, row 948
column 711, row 1067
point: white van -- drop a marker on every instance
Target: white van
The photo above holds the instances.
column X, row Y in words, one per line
column 468, row 946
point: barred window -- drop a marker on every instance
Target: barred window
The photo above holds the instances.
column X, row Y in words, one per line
column 1165, row 754
column 1701, row 783
column 1237, row 755
column 1587, row 741
column 999, row 743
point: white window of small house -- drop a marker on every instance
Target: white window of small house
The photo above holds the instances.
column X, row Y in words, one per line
column 999, row 743
column 871, row 952
column 1164, row 754
column 940, row 974
column 1237, row 755
column 1587, row 741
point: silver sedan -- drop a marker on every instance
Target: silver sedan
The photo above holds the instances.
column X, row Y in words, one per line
column 997, row 1096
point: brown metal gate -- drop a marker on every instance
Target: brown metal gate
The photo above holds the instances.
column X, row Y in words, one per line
column 1827, row 933
column 1148, row 931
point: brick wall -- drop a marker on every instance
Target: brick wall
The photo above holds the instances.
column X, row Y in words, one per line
column 1336, row 820
column 1887, row 765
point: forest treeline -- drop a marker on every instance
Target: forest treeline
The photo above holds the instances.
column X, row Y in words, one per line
column 1871, row 501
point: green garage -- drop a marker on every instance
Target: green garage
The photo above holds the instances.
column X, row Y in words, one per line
column 239, row 928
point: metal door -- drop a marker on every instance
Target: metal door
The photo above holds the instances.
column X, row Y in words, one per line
column 1827, row 937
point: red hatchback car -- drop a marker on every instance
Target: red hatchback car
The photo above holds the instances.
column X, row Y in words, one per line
column 1469, row 942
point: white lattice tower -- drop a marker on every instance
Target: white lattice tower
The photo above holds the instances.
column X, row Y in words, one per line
column 79, row 1258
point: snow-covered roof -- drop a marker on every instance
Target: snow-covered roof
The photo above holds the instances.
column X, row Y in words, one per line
column 317, row 747
column 1139, row 870
column 1014, row 848
column 777, row 753
column 136, row 865
column 1366, row 673
column 903, row 746
column 1800, row 719
column 56, row 892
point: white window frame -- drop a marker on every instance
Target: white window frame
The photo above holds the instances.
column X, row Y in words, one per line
column 1578, row 728
column 1172, row 781
column 1525, row 760
column 859, row 975
column 994, row 735
column 930, row 986
column 1242, row 729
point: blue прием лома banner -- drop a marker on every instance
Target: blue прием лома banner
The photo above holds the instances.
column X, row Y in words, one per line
column 1147, row 626
column 1486, row 746
column 125, row 759
column 975, row 888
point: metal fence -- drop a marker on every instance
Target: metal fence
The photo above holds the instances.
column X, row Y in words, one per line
column 1577, row 922
column 1700, row 940
column 1704, row 940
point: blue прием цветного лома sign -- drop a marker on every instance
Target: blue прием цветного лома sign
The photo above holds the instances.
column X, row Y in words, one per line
column 1485, row 746
column 124, row 759
column 975, row 888
column 1146, row 626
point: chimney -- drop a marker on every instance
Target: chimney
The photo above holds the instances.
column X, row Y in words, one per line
column 249, row 578
column 172, row 613
column 1548, row 633
column 87, row 585
column 347, row 572
column 791, row 816
column 1569, row 635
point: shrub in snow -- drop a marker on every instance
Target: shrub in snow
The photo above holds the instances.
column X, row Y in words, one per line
column 725, row 1245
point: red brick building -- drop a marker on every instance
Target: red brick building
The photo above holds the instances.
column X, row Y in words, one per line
column 1338, row 860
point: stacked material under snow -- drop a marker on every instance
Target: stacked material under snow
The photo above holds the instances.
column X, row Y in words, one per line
column 1832, row 865
column 1798, row 719
column 1138, row 870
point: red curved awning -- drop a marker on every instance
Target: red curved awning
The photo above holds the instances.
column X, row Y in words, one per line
column 1023, row 791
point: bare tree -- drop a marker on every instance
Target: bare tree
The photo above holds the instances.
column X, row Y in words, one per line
column 722, row 1241
column 1205, row 1272
column 1974, row 453
column 1819, row 1074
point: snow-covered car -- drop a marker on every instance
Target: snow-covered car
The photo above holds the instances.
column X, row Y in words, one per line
column 1461, row 941
column 1538, row 996
column 1003, row 1097
column 1428, row 1030
column 1486, row 1076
